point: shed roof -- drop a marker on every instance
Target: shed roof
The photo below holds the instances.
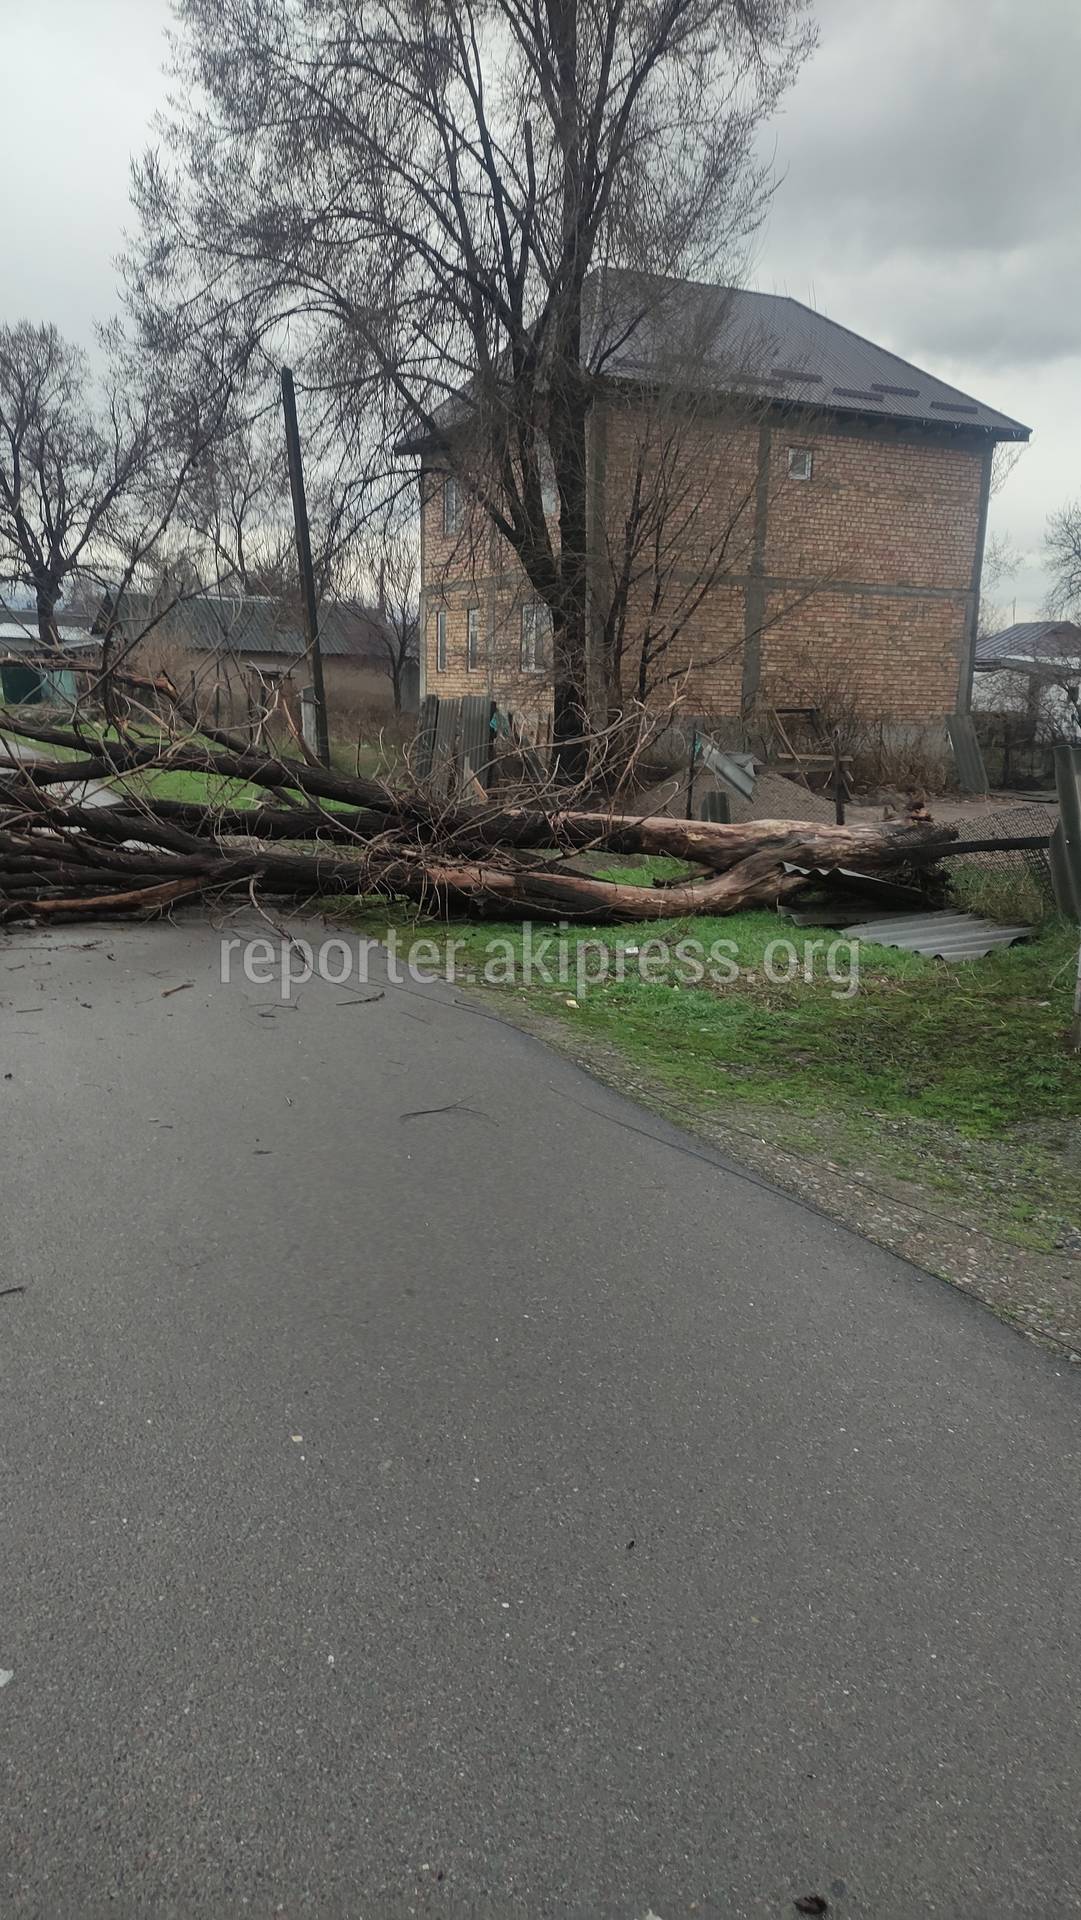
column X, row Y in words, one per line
column 21, row 635
column 1030, row 640
column 258, row 623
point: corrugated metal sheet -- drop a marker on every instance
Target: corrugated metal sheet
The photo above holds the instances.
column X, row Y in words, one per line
column 448, row 721
column 737, row 770
column 968, row 758
column 21, row 636
column 1031, row 640
column 941, row 936
column 424, row 743
column 249, row 623
column 888, row 892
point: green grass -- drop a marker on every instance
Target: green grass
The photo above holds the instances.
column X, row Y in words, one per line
column 978, row 1044
column 167, row 783
column 205, row 789
column 1008, row 894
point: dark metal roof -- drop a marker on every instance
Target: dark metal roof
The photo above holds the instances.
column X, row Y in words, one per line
column 772, row 344
column 1031, row 640
column 258, row 624
column 733, row 340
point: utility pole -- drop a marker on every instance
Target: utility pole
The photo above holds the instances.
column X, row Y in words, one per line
column 304, row 561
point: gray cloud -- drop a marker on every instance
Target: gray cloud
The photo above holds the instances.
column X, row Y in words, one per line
column 935, row 149
column 84, row 78
column 929, row 161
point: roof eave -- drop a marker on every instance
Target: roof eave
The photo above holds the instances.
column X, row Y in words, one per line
column 416, row 445
column 866, row 416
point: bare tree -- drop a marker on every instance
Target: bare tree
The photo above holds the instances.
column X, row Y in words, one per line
column 1000, row 560
column 1062, row 545
column 398, row 574
column 234, row 510
column 91, row 472
column 424, row 196
column 69, row 463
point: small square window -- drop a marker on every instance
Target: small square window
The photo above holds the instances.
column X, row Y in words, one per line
column 472, row 654
column 452, row 504
column 536, row 637
column 799, row 463
column 441, row 641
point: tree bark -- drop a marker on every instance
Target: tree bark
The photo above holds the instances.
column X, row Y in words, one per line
column 59, row 855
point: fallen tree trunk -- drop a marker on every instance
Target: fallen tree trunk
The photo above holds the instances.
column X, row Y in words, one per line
column 706, row 842
column 58, row 853
column 480, row 830
column 758, row 880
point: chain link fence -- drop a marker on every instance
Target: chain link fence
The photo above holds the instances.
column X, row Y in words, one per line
column 1007, row 882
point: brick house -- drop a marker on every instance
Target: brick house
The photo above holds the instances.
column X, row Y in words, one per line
column 844, row 491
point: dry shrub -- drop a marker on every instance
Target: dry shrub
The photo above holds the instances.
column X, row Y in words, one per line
column 364, row 715
column 891, row 758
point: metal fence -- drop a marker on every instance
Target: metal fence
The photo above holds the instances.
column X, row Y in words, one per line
column 1066, row 839
column 1010, row 823
column 1055, row 870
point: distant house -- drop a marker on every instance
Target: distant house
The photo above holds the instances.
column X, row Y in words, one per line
column 1032, row 668
column 1029, row 641
column 233, row 644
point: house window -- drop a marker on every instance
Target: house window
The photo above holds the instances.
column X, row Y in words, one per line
column 549, row 493
column 472, row 655
column 441, row 641
column 536, row 637
column 452, row 504
column 799, row 463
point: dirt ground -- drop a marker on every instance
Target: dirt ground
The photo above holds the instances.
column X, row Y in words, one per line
column 966, row 807
column 776, row 797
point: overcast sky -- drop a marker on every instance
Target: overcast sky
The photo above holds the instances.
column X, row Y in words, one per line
column 930, row 157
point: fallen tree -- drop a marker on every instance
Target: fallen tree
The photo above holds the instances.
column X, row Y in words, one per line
column 88, row 835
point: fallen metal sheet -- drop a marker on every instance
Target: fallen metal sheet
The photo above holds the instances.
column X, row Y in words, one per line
column 828, row 913
column 940, row 936
column 737, row 770
column 968, row 759
column 890, row 892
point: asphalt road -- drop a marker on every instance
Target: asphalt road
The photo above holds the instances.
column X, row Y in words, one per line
column 431, row 1485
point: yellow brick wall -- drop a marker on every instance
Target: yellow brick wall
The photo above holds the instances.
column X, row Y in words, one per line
column 887, row 512
column 882, row 513
column 890, row 657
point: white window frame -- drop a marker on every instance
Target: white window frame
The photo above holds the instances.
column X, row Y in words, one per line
column 536, row 627
column 800, row 463
column 472, row 639
column 441, row 640
column 452, row 503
